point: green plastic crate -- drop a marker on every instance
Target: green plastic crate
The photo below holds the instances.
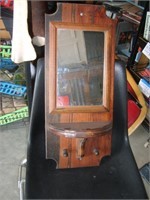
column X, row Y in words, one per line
column 14, row 116
column 5, row 51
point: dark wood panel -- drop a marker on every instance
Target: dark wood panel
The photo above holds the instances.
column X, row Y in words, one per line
column 89, row 138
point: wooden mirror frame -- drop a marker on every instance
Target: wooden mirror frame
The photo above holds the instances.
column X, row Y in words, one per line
column 65, row 18
column 107, row 83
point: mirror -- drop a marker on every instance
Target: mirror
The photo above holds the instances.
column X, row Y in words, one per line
column 80, row 63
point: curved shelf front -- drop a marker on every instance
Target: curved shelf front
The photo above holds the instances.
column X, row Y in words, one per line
column 81, row 130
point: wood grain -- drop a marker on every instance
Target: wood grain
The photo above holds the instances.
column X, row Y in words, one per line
column 101, row 144
column 79, row 150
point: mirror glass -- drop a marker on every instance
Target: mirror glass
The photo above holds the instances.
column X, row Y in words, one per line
column 80, row 60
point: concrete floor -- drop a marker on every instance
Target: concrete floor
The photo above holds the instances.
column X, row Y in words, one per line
column 13, row 145
column 141, row 154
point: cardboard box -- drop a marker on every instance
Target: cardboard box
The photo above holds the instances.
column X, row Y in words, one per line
column 4, row 34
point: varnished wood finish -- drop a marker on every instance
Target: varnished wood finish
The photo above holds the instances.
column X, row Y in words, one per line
column 81, row 130
column 107, row 83
column 87, row 146
column 90, row 158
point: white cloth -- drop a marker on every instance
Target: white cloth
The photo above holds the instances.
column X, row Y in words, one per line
column 22, row 48
column 38, row 41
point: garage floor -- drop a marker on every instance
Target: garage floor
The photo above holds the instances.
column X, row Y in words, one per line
column 13, row 146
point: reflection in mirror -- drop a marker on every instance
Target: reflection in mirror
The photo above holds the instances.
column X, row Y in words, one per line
column 80, row 59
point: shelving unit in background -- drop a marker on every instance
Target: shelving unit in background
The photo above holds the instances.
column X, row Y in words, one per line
column 139, row 64
column 130, row 43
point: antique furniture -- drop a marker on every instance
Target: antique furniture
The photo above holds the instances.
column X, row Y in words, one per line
column 79, row 85
column 116, row 178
